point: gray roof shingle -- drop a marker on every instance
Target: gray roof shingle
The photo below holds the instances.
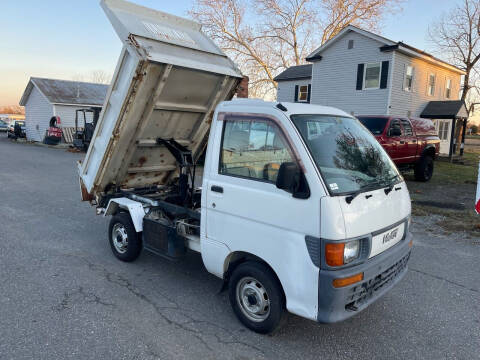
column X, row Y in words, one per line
column 295, row 73
column 67, row 92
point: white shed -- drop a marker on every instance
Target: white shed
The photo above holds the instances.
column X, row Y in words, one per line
column 44, row 98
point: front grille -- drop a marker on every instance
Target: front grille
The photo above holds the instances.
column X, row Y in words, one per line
column 363, row 292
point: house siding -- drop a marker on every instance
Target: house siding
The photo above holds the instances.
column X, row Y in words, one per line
column 334, row 77
column 67, row 115
column 38, row 112
column 286, row 89
column 412, row 103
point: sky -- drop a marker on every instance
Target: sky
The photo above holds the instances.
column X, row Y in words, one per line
column 62, row 39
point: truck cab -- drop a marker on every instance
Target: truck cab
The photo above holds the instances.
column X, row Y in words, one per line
column 410, row 142
column 344, row 198
column 295, row 207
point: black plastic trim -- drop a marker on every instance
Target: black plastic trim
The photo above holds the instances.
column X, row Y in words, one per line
column 314, row 249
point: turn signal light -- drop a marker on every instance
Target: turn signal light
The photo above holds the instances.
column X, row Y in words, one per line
column 348, row 280
column 334, row 254
column 410, row 244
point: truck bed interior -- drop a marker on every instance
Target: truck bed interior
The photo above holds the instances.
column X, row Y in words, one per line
column 169, row 78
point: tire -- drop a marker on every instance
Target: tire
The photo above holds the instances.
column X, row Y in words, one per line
column 424, row 168
column 256, row 281
column 125, row 242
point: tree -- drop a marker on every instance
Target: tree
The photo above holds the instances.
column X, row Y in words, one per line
column 12, row 109
column 94, row 76
column 474, row 129
column 266, row 36
column 457, row 36
column 100, row 77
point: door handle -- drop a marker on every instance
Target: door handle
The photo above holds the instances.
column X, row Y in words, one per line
column 217, row 188
column 402, row 142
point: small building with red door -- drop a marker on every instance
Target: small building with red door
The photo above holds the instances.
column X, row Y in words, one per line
column 45, row 98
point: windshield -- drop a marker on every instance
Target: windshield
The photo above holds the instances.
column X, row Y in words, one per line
column 347, row 155
column 374, row 124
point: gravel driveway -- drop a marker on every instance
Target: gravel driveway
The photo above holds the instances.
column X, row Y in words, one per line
column 64, row 296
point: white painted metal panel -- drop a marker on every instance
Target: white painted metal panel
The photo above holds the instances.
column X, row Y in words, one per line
column 130, row 19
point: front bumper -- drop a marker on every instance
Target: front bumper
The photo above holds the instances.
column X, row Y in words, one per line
column 381, row 273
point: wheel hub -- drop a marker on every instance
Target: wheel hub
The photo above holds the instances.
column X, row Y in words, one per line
column 120, row 238
column 253, row 299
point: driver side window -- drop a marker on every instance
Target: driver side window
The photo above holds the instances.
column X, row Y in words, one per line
column 395, row 128
column 253, row 149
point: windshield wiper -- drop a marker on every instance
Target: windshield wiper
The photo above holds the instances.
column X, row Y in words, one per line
column 390, row 187
column 352, row 196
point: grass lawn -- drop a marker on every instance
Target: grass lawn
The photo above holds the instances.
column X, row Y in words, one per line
column 450, row 194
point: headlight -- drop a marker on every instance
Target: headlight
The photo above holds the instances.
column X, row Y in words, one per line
column 351, row 251
column 338, row 254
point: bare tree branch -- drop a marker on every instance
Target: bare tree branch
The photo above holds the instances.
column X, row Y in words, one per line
column 94, row 76
column 267, row 36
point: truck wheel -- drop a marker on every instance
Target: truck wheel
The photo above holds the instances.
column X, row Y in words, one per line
column 424, row 168
column 257, row 297
column 125, row 242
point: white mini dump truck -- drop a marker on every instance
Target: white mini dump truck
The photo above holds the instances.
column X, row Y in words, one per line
column 299, row 208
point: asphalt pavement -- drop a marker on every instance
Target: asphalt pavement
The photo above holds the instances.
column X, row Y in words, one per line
column 63, row 295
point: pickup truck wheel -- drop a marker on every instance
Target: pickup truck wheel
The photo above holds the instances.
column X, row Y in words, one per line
column 257, row 297
column 125, row 242
column 424, row 168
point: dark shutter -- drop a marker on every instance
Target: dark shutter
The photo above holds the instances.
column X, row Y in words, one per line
column 360, row 76
column 309, row 91
column 296, row 93
column 384, row 75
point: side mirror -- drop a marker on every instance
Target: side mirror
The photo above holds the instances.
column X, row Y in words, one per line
column 291, row 179
column 395, row 132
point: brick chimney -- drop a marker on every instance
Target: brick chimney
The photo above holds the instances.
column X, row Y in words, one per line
column 242, row 88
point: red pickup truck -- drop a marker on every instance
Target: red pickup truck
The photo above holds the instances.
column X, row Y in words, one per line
column 410, row 142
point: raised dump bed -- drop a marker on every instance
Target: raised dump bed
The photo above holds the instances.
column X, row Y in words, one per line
column 169, row 78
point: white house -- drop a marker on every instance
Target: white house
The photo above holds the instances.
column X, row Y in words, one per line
column 366, row 74
column 44, row 98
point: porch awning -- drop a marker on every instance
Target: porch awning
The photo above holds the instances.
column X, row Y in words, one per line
column 452, row 109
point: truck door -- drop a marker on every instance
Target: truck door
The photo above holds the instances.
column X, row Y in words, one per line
column 245, row 210
column 392, row 141
column 410, row 142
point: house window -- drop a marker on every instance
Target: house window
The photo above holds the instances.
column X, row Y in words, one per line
column 448, row 88
column 253, row 149
column 431, row 84
column 350, row 44
column 408, row 84
column 303, row 93
column 372, row 76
